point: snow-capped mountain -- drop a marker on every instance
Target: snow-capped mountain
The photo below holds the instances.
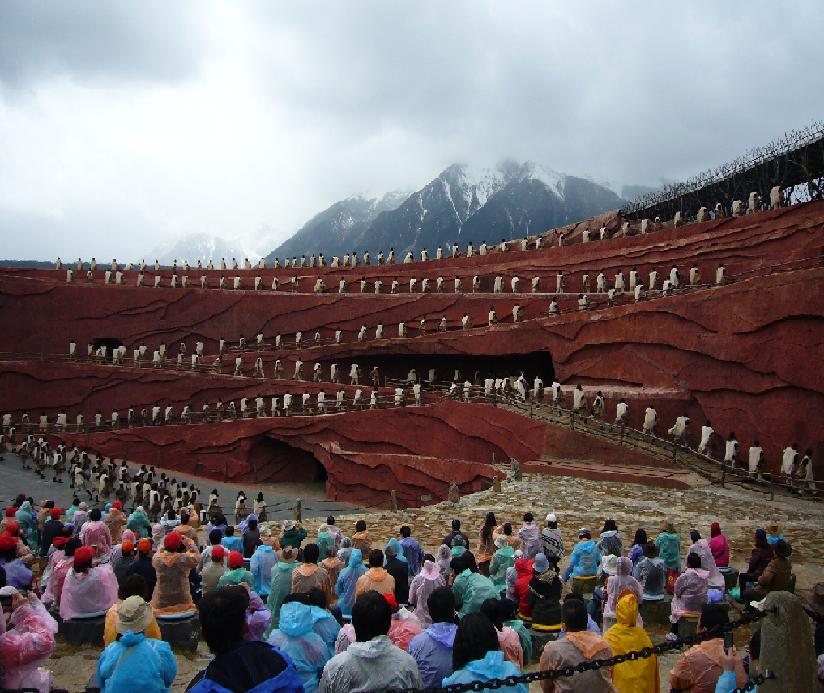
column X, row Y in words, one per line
column 198, row 246
column 463, row 203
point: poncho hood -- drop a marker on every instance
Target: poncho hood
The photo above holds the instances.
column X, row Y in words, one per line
column 444, row 633
column 296, row 619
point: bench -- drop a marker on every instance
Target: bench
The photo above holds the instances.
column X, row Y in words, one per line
column 540, row 638
column 182, row 632
column 584, row 585
column 83, row 630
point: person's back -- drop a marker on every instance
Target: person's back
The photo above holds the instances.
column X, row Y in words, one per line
column 376, row 578
column 295, row 638
column 471, row 590
column 213, row 570
column 652, row 575
column 585, row 558
column 400, row 573
column 239, row 665
column 432, row 649
column 281, row 584
column 578, row 645
column 309, row 574
column 135, row 662
column 172, row 564
column 373, row 662
column 530, row 536
column 87, row 590
column 625, row 636
column 261, row 564
column 669, row 546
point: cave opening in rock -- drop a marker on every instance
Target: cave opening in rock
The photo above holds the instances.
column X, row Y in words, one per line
column 397, row 366
column 111, row 343
column 275, row 461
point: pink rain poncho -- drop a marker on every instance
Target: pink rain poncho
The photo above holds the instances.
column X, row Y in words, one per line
column 258, row 617
column 88, row 593
column 424, row 584
column 26, row 645
column 702, row 548
column 618, row 583
column 690, row 593
column 57, row 577
column 405, row 626
column 96, row 534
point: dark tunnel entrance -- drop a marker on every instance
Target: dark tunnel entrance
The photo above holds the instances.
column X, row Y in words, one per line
column 398, row 365
column 110, row 343
column 275, row 461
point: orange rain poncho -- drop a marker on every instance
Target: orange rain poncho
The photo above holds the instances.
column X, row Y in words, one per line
column 641, row 675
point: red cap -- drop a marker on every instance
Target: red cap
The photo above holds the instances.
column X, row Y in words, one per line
column 7, row 542
column 83, row 556
column 60, row 542
column 390, row 599
column 118, row 505
column 144, row 545
column 172, row 541
column 218, row 552
column 235, row 559
column 127, row 546
column 11, row 512
column 56, row 513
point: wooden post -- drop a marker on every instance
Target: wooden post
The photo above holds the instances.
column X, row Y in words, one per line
column 723, row 473
column 393, row 499
column 298, row 511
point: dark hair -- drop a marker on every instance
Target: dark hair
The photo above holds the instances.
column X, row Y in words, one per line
column 761, row 539
column 428, row 557
column 528, row 517
column 215, row 536
column 507, row 528
column 3, row 577
column 406, row 531
column 713, row 616
column 755, row 646
column 376, row 558
column 650, row 549
column 184, row 518
column 230, row 531
column 456, row 525
column 371, row 616
column 311, row 553
column 299, row 597
column 491, row 608
column 223, row 617
column 486, row 530
column 693, row 560
column 330, row 519
column 132, row 585
column 360, row 526
column 252, row 524
column 441, row 605
column 476, row 635
column 171, row 515
column 317, row 597
column 71, row 546
column 640, row 536
column 574, row 615
column 782, row 549
column 95, row 515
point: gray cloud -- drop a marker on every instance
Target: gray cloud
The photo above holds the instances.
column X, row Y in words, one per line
column 228, row 117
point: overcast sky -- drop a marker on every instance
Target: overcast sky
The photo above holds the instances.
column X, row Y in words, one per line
column 123, row 124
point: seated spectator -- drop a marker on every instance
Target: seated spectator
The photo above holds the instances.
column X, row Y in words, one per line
column 215, row 537
column 376, row 578
column 169, row 522
column 432, row 649
column 544, row 596
column 172, row 564
column 293, row 535
column 295, row 637
column 776, row 576
column 774, row 533
column 230, row 542
column 651, row 574
column 523, row 572
column 347, row 581
column 372, row 662
column 476, row 655
column 17, row 574
column 690, row 593
column 136, row 661
column 237, row 573
column 714, row 578
column 509, row 609
column 258, row 618
column 87, row 591
column 117, row 549
column 332, row 564
column 456, row 532
column 251, row 536
column 578, row 645
column 760, row 557
column 325, row 624
column 52, row 528
column 309, row 574
column 470, row 587
column 22, row 552
column 502, row 559
column 584, row 559
column 626, row 636
column 459, row 547
column 423, row 584
column 61, row 568
column 57, row 553
column 325, row 540
column 669, row 548
column 281, row 583
column 239, row 665
column 261, row 564
column 719, row 546
column 412, row 551
column 27, row 522
column 214, row 570
column 143, row 565
column 699, row 668
column 139, row 523
column 126, row 556
column 405, row 624
column 444, row 562
column 636, row 553
column 508, row 639
column 530, row 536
column 134, row 585
column 592, row 626
column 398, row 567
column 609, row 543
column 96, row 534
column 115, row 520
column 26, row 642
column 617, row 585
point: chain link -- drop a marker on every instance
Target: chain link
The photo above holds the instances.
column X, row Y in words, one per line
column 594, row 664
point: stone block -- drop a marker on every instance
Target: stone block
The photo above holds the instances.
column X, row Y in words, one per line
column 83, row 631
column 181, row 633
column 540, row 638
column 656, row 612
column 687, row 625
column 787, row 646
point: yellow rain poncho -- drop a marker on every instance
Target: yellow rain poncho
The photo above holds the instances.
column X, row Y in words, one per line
column 641, row 675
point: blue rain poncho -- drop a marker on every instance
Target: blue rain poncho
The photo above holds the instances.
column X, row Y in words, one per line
column 260, row 565
column 279, row 587
column 348, row 578
column 136, row 663
column 295, row 637
column 492, row 666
